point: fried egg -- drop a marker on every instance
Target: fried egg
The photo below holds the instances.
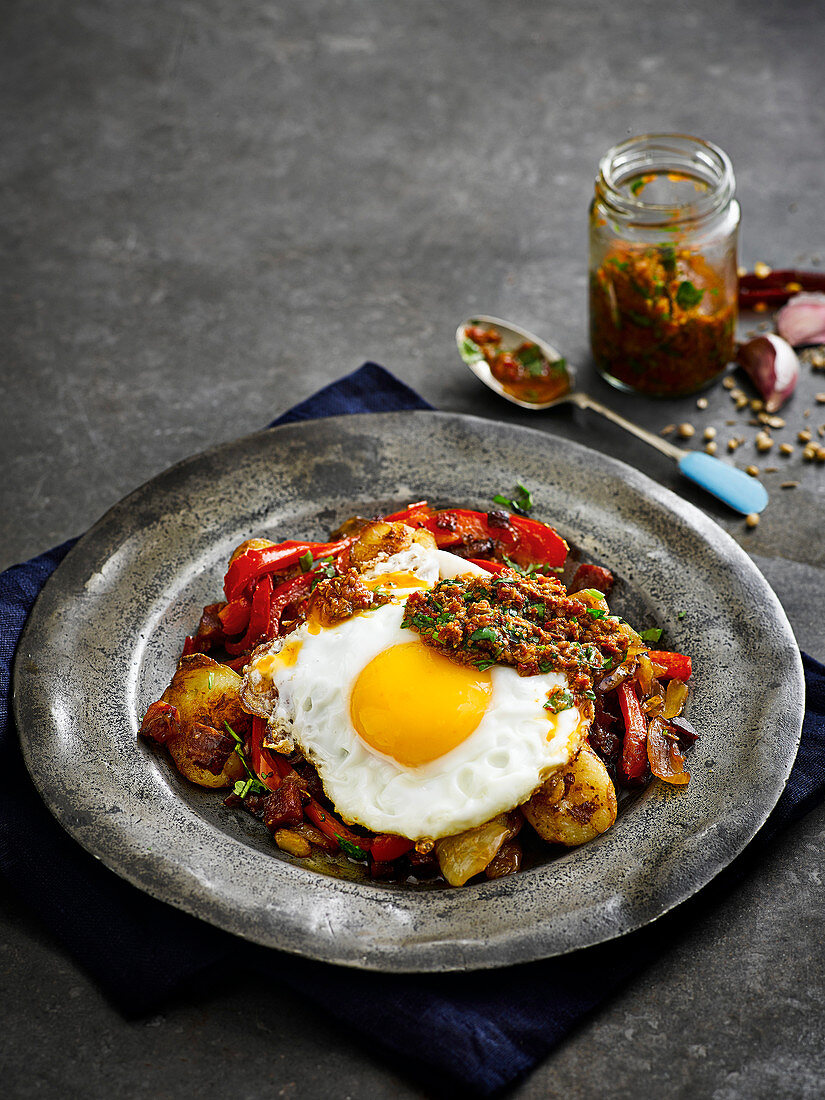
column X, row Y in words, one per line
column 405, row 740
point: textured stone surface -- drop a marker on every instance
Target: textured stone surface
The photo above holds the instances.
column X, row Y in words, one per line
column 209, row 210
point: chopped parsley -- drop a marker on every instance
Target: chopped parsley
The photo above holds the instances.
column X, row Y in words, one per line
column 688, row 296
column 244, row 787
column 559, row 699
column 597, row 612
column 350, row 849
column 521, row 502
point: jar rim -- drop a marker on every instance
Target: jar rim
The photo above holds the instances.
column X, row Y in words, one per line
column 660, row 152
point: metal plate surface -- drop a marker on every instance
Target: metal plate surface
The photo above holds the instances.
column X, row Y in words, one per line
column 103, row 638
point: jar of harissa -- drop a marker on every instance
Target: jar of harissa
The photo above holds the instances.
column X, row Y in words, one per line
column 663, row 283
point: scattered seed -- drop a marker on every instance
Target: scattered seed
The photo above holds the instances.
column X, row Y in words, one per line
column 809, row 454
column 760, row 270
column 730, row 423
column 736, row 392
column 820, row 454
column 741, row 272
column 786, row 448
column 686, row 431
column 804, row 436
column 741, row 402
column 818, row 360
column 702, row 403
column 775, row 422
column 728, row 383
column 789, row 485
column 820, row 431
column 770, row 469
column 794, row 288
column 757, row 405
column 710, row 448
column 754, row 423
column 668, row 429
column 763, row 418
column 819, row 398
column 710, row 433
column 752, row 471
column 763, row 442
column 807, row 413
column 760, row 307
column 752, row 520
column 733, row 444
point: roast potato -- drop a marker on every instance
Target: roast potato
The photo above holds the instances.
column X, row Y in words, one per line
column 205, row 695
column 383, row 538
column 575, row 804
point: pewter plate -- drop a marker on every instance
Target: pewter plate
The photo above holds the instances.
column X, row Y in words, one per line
column 102, row 642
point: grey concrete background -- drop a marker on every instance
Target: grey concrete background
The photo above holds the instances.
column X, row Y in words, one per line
column 210, row 209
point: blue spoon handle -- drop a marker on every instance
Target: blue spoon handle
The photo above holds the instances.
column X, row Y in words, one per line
column 736, row 488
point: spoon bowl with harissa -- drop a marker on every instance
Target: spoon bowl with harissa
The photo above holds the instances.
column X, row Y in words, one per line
column 737, row 489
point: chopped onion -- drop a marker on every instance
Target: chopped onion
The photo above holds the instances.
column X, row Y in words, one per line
column 773, row 367
column 666, row 762
column 675, row 698
column 802, row 320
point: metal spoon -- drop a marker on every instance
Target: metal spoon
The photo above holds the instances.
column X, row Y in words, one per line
column 736, row 488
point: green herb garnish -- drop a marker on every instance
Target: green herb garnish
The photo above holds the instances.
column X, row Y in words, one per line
column 210, row 680
column 596, row 612
column 484, row 634
column 521, row 501
column 667, row 254
column 243, row 787
column 652, row 635
column 350, row 849
column 681, row 614
column 558, row 700
column 470, row 351
column 688, row 296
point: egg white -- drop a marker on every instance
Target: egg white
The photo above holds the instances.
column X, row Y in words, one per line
column 515, row 746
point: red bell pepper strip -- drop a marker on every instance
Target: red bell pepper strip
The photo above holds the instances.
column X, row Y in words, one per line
column 414, row 515
column 633, row 762
column 332, row 827
column 386, row 847
column 235, row 616
column 283, row 596
column 252, row 564
column 677, row 666
column 268, row 767
column 259, row 618
column 489, row 566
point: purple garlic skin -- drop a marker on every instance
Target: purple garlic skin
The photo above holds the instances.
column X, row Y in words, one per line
column 802, row 320
column 772, row 365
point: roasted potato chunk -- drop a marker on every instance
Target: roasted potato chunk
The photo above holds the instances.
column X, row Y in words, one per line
column 575, row 804
column 383, row 538
column 204, row 697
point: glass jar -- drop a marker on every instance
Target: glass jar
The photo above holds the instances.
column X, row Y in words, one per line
column 663, row 283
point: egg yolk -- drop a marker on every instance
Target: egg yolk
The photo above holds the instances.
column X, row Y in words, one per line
column 413, row 704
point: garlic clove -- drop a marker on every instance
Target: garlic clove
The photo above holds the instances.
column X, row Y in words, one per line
column 772, row 365
column 802, row 320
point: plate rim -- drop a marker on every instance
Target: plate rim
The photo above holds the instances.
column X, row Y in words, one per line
column 651, row 490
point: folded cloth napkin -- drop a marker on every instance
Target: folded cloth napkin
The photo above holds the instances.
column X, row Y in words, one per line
column 478, row 1031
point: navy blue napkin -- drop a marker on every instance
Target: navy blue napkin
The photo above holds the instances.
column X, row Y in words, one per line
column 480, row 1032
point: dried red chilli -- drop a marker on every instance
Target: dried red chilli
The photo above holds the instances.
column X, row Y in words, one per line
column 777, row 287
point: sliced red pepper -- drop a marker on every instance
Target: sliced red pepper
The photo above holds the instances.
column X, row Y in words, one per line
column 332, row 827
column 414, row 515
column 283, row 596
column 526, row 541
column 253, row 564
column 161, row 722
column 268, row 767
column 259, row 618
column 386, row 847
column 489, row 566
column 235, row 616
column 633, row 762
column 677, row 666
